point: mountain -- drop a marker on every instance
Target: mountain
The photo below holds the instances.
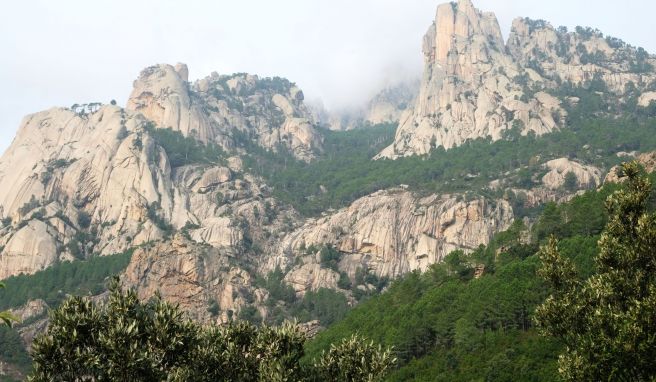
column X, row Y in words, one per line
column 476, row 86
column 229, row 197
column 97, row 179
column 386, row 106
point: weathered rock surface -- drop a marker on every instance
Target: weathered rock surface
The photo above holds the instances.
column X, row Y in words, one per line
column 98, row 173
column 556, row 55
column 161, row 94
column 189, row 274
column 587, row 176
column 227, row 109
column 646, row 160
column 475, row 86
column 393, row 232
column 468, row 89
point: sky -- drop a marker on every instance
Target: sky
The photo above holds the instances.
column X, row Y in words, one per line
column 340, row 52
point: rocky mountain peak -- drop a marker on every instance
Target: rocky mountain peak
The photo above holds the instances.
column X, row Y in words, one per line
column 161, row 94
column 455, row 24
column 468, row 89
column 475, row 86
column 222, row 109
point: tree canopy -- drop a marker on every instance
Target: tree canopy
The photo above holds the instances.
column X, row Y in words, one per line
column 126, row 339
column 606, row 321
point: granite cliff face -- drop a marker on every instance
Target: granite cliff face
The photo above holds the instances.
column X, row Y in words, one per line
column 227, row 109
column 95, row 180
column 393, row 232
column 387, row 234
column 388, row 105
column 476, row 86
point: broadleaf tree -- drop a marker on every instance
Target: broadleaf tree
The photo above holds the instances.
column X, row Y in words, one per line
column 607, row 322
column 126, row 339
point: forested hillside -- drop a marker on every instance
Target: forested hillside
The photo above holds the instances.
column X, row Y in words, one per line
column 598, row 128
column 471, row 317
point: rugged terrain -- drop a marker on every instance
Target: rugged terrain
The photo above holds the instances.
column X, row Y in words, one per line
column 187, row 174
column 475, row 85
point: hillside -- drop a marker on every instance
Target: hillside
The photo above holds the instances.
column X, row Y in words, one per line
column 229, row 197
column 471, row 317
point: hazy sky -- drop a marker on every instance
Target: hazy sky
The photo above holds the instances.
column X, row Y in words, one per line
column 56, row 53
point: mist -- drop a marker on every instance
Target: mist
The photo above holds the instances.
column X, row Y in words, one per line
column 339, row 52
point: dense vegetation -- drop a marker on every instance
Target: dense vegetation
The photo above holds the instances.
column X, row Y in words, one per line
column 6, row 318
column 606, row 320
column 325, row 305
column 447, row 325
column 127, row 339
column 183, row 150
column 345, row 171
column 55, row 283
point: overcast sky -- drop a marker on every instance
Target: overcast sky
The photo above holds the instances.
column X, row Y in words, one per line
column 56, row 53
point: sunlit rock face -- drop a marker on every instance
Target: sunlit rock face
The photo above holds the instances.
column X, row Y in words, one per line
column 476, row 86
column 393, row 232
column 93, row 179
column 222, row 109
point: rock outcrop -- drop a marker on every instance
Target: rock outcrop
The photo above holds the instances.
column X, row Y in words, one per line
column 84, row 181
column 193, row 275
column 227, row 109
column 557, row 56
column 646, row 160
column 388, row 105
column 162, row 94
column 587, row 177
column 468, row 89
column 475, row 86
column 393, row 232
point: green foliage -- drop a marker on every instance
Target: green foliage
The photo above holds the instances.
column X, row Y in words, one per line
column 329, row 257
column 159, row 221
column 12, row 349
column 214, row 308
column 183, row 150
column 354, row 359
column 6, row 317
column 278, row 289
column 126, row 339
column 571, row 182
column 56, row 282
column 344, row 282
column 446, row 325
column 122, row 340
column 250, row 314
column 28, row 206
column 345, row 171
column 326, row 305
column 584, row 215
column 83, row 219
column 606, row 320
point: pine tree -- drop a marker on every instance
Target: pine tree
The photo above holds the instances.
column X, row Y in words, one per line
column 608, row 321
